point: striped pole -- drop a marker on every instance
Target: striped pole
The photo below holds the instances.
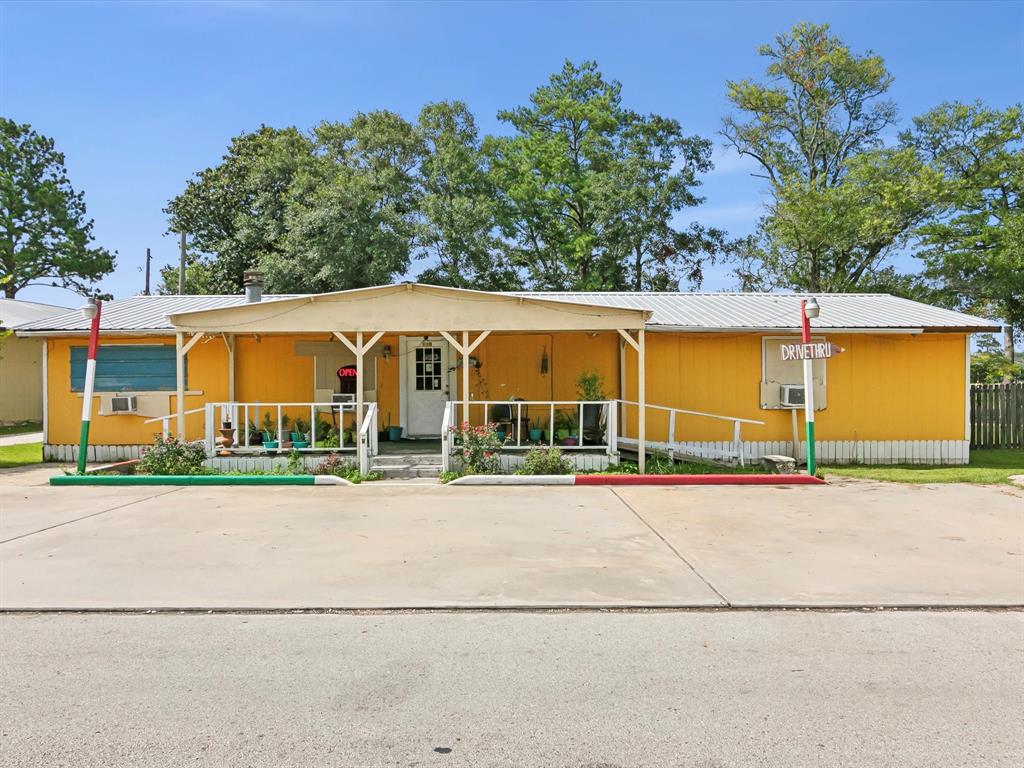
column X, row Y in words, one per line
column 805, row 334
column 93, row 307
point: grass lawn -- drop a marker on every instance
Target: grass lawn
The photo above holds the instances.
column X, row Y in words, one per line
column 993, row 465
column 22, row 428
column 20, row 455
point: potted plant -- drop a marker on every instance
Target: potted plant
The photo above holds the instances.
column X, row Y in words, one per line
column 300, row 435
column 566, row 427
column 255, row 435
column 269, row 441
column 395, row 433
column 590, row 389
column 537, row 430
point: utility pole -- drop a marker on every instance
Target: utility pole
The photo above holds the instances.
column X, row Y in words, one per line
column 181, row 267
column 149, row 261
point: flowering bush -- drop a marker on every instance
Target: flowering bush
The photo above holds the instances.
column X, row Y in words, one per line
column 173, row 457
column 479, row 447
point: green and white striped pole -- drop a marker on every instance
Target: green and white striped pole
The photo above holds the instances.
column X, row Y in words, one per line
column 808, row 309
column 91, row 312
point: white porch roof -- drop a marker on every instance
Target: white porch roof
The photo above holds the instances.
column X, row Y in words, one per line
column 410, row 308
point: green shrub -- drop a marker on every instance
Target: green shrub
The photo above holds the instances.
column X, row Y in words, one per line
column 546, row 461
column 479, row 448
column 173, row 457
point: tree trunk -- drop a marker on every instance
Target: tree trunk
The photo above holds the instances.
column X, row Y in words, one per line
column 1008, row 339
column 10, row 291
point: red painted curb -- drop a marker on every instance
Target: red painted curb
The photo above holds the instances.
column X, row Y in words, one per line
column 698, row 480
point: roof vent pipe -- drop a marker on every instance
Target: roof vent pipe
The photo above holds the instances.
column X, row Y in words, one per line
column 253, row 282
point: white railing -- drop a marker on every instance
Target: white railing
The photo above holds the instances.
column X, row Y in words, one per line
column 447, row 437
column 368, row 439
column 529, row 423
column 247, row 419
column 672, row 446
column 165, row 426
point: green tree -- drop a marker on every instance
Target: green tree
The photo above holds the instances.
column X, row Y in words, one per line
column 234, row 212
column 45, row 237
column 587, row 190
column 841, row 201
column 457, row 230
column 351, row 213
column 974, row 251
column 990, row 365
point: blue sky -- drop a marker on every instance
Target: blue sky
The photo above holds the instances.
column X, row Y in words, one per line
column 139, row 96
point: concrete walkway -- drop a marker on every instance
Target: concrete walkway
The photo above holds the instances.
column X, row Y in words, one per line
column 21, row 439
column 852, row 543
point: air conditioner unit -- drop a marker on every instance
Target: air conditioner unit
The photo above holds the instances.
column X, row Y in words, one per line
column 792, row 395
column 124, row 404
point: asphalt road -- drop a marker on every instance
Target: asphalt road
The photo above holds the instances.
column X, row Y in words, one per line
column 497, row 689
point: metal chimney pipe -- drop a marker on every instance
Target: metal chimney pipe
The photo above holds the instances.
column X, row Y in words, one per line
column 253, row 282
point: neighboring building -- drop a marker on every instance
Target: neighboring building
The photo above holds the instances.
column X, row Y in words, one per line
column 419, row 356
column 21, row 362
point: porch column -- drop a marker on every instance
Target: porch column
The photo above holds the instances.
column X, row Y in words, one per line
column 465, row 376
column 180, row 350
column 179, row 372
column 640, row 346
column 359, row 349
column 641, row 385
column 465, row 349
column 229, row 342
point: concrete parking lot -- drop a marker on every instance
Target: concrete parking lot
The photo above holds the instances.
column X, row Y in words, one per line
column 853, row 543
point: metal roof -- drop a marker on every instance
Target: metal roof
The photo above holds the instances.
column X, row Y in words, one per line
column 671, row 311
column 138, row 313
column 777, row 311
column 14, row 312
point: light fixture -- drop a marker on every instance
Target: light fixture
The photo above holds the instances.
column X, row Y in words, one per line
column 386, row 352
column 811, row 308
column 88, row 309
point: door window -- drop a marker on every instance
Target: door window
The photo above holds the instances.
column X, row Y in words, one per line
column 428, row 369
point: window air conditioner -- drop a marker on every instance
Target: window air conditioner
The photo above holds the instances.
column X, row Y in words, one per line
column 124, row 404
column 792, row 395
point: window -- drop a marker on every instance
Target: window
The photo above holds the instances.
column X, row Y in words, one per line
column 127, row 368
column 428, row 369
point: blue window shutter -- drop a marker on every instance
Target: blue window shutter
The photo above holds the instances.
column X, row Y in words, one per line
column 128, row 368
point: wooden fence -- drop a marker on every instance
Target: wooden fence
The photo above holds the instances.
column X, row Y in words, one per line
column 997, row 415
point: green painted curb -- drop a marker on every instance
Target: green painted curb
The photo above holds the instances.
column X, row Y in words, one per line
column 185, row 480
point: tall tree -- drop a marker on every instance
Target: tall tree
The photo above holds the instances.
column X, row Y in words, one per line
column 974, row 252
column 588, row 190
column 45, row 237
column 234, row 212
column 351, row 214
column 841, row 201
column 457, row 229
column 654, row 177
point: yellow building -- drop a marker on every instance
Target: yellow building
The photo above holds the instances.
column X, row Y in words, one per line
column 712, row 380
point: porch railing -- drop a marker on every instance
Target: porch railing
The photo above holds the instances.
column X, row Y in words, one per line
column 246, row 418
column 672, row 446
column 165, row 421
column 368, row 439
column 591, row 425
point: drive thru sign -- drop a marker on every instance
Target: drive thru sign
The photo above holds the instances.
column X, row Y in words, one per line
column 812, row 351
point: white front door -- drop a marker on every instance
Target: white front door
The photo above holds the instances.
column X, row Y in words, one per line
column 426, row 385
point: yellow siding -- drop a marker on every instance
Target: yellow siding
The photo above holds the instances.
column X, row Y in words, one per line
column 884, row 387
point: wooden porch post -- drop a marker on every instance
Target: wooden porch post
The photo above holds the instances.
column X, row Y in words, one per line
column 229, row 341
column 465, row 376
column 359, row 381
column 179, row 372
column 641, row 384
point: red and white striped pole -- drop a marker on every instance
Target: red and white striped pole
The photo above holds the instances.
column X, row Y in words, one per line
column 91, row 312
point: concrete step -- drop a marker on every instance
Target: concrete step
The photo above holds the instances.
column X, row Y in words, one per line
column 402, row 466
